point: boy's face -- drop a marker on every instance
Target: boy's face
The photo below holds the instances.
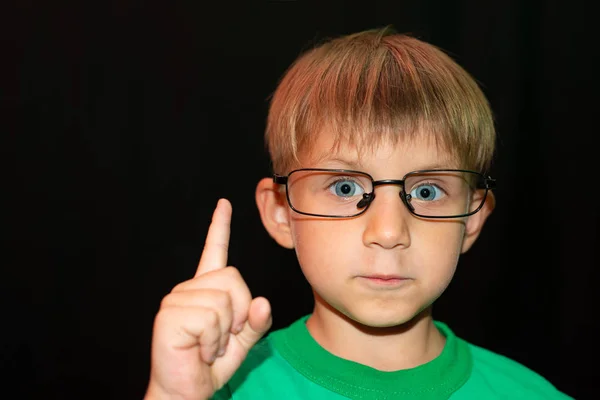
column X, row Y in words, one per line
column 343, row 258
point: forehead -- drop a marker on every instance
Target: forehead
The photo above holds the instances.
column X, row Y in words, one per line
column 418, row 152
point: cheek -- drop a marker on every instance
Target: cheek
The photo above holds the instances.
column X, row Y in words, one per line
column 441, row 253
column 320, row 246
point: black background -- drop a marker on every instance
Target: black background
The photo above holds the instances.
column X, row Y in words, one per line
column 124, row 122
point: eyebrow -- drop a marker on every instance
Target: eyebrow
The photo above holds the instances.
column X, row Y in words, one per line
column 356, row 164
column 434, row 166
column 351, row 163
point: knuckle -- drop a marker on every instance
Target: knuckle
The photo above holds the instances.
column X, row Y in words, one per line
column 215, row 342
column 180, row 287
column 162, row 317
column 223, row 300
column 222, row 246
column 165, row 302
column 232, row 272
column 212, row 319
column 239, row 285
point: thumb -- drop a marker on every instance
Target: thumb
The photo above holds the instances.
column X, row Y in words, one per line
column 258, row 323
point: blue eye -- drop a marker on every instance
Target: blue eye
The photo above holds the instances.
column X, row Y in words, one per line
column 346, row 188
column 426, row 192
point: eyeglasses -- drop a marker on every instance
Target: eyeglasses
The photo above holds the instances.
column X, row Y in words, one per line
column 340, row 193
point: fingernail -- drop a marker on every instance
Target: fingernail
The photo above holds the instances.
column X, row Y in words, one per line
column 238, row 328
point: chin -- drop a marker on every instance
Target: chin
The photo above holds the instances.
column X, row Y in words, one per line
column 381, row 318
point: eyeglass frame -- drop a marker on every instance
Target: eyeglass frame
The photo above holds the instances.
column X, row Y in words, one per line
column 487, row 183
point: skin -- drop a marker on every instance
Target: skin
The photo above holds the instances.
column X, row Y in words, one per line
column 336, row 256
column 206, row 325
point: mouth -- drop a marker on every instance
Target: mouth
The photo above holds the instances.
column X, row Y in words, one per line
column 384, row 280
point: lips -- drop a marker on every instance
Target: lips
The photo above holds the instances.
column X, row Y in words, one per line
column 384, row 281
column 385, row 277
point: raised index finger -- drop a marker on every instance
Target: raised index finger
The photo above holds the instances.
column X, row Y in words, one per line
column 214, row 255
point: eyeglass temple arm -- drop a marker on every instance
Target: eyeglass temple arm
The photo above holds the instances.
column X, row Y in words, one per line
column 281, row 180
column 488, row 183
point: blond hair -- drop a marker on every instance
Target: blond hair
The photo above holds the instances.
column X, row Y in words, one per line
column 374, row 86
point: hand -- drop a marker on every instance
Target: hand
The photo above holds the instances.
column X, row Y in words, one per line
column 206, row 325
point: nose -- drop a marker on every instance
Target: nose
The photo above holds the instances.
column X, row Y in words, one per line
column 387, row 220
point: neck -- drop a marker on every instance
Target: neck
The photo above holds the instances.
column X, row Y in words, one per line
column 404, row 346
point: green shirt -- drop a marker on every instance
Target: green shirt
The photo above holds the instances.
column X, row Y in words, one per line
column 289, row 364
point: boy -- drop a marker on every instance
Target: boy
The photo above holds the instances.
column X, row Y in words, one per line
column 378, row 141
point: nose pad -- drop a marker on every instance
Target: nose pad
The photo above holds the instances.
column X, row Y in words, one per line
column 369, row 197
column 366, row 200
column 406, row 200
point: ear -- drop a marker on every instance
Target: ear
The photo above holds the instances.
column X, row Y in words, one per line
column 475, row 222
column 274, row 211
